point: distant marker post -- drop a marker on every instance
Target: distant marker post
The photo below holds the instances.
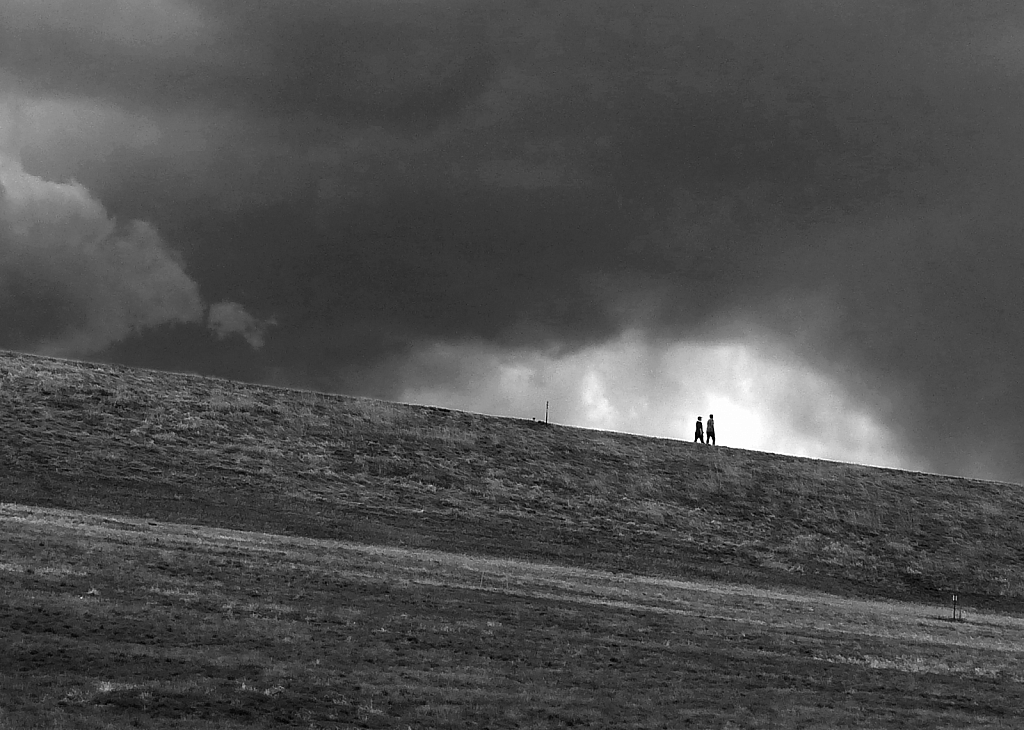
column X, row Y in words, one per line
column 546, row 404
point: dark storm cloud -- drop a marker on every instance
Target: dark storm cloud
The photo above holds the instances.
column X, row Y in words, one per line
column 377, row 176
column 403, row 64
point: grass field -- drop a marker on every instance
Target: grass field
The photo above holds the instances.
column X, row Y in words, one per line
column 184, row 552
column 115, row 621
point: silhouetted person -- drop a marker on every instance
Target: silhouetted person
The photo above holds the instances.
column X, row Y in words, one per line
column 711, row 428
column 698, row 435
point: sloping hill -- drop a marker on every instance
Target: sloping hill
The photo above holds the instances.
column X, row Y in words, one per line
column 188, row 449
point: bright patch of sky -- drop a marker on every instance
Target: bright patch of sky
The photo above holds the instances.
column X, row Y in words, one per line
column 760, row 399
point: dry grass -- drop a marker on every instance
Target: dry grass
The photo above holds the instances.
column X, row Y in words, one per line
column 445, row 519
column 185, row 448
column 179, row 626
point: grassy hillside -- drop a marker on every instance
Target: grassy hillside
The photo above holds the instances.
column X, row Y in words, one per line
column 187, row 449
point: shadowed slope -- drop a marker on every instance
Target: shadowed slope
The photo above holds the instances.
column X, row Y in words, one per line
column 183, row 448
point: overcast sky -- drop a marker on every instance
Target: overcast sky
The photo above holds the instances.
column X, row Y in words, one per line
column 804, row 217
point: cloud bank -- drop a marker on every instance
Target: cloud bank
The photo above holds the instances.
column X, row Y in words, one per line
column 835, row 182
column 72, row 281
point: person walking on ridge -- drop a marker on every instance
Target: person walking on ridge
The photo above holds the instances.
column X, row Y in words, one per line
column 711, row 429
column 698, row 434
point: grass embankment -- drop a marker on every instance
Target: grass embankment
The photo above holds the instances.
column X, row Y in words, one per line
column 382, row 578
column 183, row 448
